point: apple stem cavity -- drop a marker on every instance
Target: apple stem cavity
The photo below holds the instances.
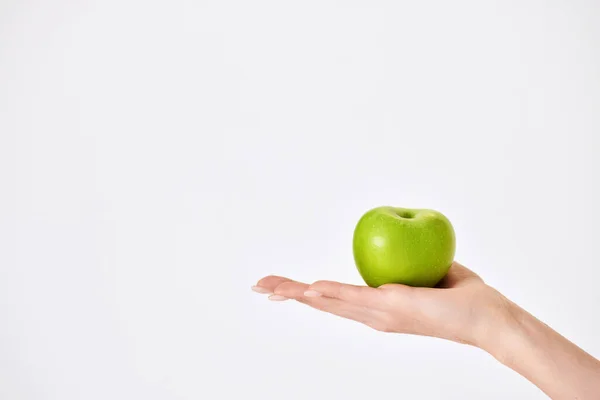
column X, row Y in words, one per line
column 405, row 214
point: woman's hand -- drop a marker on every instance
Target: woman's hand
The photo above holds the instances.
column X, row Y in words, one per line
column 459, row 309
column 463, row 309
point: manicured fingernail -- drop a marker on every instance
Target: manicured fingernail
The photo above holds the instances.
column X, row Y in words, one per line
column 261, row 290
column 276, row 297
column 312, row 293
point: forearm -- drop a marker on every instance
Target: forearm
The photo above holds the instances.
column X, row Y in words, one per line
column 554, row 364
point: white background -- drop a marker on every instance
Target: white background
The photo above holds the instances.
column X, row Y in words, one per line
column 157, row 158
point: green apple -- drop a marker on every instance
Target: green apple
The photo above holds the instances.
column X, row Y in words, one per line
column 413, row 247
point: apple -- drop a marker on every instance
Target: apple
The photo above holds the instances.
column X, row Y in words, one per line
column 413, row 247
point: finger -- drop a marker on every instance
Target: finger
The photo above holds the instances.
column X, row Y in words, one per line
column 291, row 289
column 358, row 295
column 341, row 308
column 268, row 284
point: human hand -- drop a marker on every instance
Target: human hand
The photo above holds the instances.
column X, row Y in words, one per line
column 458, row 309
column 463, row 309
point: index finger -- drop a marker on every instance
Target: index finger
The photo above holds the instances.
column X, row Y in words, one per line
column 269, row 283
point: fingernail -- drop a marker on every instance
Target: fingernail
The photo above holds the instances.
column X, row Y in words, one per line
column 261, row 290
column 276, row 297
column 312, row 293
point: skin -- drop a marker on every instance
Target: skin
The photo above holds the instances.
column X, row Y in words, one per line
column 462, row 309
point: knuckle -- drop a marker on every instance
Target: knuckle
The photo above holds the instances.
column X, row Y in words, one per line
column 281, row 288
column 320, row 284
column 329, row 288
column 392, row 292
column 278, row 290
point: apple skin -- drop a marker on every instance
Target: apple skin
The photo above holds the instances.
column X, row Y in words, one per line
column 413, row 247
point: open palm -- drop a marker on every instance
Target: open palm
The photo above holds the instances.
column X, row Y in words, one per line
column 454, row 310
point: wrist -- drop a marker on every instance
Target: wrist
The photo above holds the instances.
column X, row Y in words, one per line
column 499, row 325
column 531, row 348
column 509, row 332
